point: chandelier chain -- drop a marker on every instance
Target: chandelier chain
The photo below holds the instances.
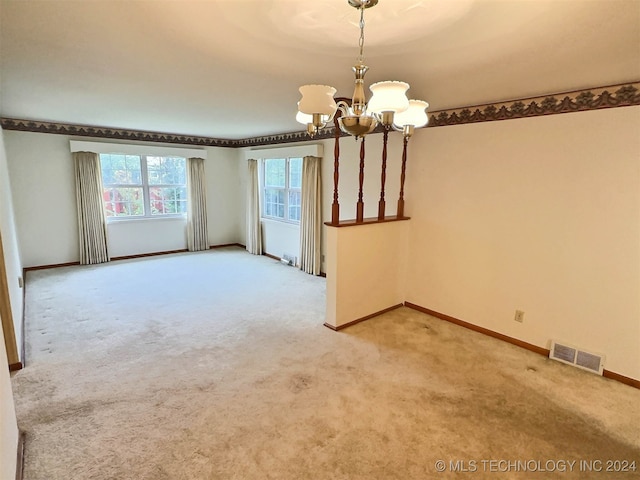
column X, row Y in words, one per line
column 389, row 105
column 361, row 42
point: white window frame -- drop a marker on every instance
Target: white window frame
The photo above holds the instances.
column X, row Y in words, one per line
column 287, row 188
column 145, row 186
column 297, row 151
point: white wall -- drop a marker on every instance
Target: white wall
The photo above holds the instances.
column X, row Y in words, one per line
column 134, row 237
column 365, row 270
column 43, row 189
column 279, row 238
column 13, row 263
column 45, row 207
column 539, row 214
column 225, row 196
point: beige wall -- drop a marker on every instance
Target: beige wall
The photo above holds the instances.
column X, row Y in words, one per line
column 8, row 425
column 365, row 270
column 13, row 262
column 540, row 215
column 43, row 187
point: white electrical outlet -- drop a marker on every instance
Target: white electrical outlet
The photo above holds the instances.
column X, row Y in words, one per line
column 519, row 317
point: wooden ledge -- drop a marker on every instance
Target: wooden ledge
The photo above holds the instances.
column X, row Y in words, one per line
column 367, row 221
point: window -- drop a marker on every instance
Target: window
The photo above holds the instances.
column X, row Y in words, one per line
column 282, row 184
column 143, row 185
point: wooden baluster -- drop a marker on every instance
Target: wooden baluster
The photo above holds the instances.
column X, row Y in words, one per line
column 400, row 212
column 360, row 204
column 383, row 176
column 335, row 207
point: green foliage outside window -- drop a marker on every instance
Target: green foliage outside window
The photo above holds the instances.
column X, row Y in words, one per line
column 282, row 188
column 139, row 185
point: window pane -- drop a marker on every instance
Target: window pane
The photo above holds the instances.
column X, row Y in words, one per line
column 295, row 173
column 120, row 169
column 133, row 167
column 274, row 202
column 166, row 170
column 168, row 200
column 167, row 174
column 275, row 170
column 294, row 205
column 123, row 201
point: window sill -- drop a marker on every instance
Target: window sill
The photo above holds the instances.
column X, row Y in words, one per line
column 115, row 220
column 276, row 221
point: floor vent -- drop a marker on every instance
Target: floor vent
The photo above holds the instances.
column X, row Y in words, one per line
column 565, row 353
column 289, row 259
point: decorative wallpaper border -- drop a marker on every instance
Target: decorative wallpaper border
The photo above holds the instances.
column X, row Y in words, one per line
column 577, row 101
column 115, row 133
column 594, row 99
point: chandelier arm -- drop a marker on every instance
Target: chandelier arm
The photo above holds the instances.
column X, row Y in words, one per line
column 343, row 106
column 385, row 118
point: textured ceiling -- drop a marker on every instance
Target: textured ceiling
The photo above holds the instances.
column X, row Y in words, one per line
column 231, row 68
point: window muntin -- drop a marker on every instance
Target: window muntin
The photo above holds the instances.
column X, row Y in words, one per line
column 143, row 185
column 282, row 188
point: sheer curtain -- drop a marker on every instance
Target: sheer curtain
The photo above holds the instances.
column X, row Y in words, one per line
column 197, row 236
column 254, row 233
column 92, row 224
column 311, row 216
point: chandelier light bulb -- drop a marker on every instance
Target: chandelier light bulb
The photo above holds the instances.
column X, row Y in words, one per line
column 304, row 118
column 415, row 115
column 388, row 96
column 317, row 99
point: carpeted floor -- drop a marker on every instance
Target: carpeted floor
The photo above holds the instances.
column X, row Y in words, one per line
column 216, row 365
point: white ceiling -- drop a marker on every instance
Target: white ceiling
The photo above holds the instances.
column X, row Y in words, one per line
column 231, row 68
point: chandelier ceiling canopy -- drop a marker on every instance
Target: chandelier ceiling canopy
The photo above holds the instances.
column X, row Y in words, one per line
column 388, row 105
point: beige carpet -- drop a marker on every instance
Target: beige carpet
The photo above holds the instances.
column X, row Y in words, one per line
column 216, row 365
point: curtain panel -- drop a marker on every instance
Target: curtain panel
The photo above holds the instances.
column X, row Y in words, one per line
column 197, row 233
column 254, row 231
column 92, row 223
column 311, row 216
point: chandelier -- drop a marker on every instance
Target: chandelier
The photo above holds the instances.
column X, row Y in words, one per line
column 388, row 105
